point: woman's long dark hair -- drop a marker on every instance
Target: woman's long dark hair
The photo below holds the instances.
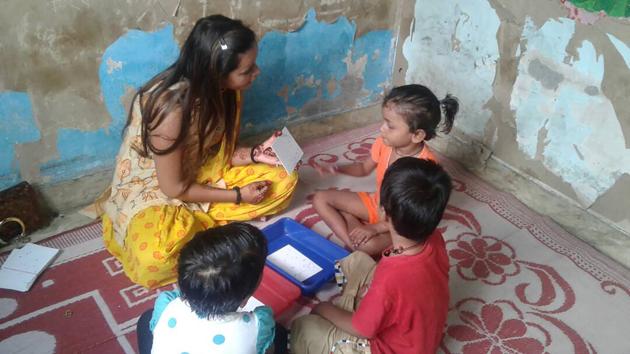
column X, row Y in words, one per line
column 208, row 55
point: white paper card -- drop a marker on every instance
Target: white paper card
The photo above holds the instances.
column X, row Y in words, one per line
column 287, row 149
column 24, row 265
column 294, row 263
column 251, row 304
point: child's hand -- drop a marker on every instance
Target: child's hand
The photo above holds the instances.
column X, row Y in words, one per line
column 263, row 153
column 362, row 234
column 326, row 170
column 255, row 192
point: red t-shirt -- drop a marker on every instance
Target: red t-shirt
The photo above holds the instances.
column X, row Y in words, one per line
column 404, row 310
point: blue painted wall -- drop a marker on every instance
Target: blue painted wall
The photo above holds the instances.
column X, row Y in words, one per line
column 128, row 63
column 303, row 63
column 17, row 126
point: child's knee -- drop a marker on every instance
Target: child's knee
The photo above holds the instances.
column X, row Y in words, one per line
column 356, row 259
column 306, row 334
column 320, row 199
column 299, row 326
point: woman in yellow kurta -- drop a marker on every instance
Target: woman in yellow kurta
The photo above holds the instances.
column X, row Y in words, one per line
column 179, row 170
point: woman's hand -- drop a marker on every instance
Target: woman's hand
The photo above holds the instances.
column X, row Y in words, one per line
column 263, row 152
column 255, row 192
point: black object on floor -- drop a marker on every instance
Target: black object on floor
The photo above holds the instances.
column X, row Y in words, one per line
column 280, row 341
column 145, row 336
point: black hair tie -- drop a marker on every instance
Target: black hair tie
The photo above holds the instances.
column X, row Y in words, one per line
column 251, row 155
column 238, row 194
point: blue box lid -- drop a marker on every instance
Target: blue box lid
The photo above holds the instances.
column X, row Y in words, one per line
column 323, row 252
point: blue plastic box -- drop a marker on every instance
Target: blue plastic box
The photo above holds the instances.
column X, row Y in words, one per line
column 314, row 246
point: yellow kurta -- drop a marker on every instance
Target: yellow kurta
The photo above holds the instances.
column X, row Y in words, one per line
column 145, row 230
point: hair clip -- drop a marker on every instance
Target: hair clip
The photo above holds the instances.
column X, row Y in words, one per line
column 223, row 44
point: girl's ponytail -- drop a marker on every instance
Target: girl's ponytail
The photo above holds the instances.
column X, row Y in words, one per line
column 450, row 106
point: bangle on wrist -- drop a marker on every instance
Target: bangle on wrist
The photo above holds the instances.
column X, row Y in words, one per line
column 238, row 194
column 251, row 155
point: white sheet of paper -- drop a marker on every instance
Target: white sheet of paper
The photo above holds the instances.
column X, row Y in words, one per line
column 294, row 263
column 24, row 265
column 287, row 149
column 251, row 304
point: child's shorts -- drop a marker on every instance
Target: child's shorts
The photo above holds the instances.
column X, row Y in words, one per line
column 370, row 203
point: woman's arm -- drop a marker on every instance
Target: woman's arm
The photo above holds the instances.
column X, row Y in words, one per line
column 242, row 156
column 172, row 184
column 170, row 176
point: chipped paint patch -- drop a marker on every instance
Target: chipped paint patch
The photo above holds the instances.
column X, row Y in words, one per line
column 545, row 75
column 592, row 156
column 453, row 48
column 142, row 55
column 621, row 47
column 377, row 71
column 113, row 65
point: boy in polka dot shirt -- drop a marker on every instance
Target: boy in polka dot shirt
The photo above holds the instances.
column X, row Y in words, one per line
column 219, row 269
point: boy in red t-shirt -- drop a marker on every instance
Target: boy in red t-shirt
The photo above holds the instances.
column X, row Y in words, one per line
column 399, row 305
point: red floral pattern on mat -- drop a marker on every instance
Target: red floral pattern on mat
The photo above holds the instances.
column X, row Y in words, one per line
column 356, row 151
column 322, row 159
column 496, row 328
column 359, row 150
column 479, row 257
column 541, row 228
column 485, row 258
column 502, row 327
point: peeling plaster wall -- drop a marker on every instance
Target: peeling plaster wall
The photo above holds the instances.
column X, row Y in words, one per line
column 70, row 68
column 318, row 70
column 544, row 87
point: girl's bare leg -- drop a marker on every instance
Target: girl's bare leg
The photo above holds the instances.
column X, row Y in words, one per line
column 331, row 206
column 351, row 221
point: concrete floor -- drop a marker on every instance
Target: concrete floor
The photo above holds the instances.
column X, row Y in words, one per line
column 577, row 221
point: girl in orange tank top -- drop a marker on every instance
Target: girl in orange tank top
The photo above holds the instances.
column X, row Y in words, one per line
column 411, row 116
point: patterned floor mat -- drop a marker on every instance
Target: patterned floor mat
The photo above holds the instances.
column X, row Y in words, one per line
column 519, row 283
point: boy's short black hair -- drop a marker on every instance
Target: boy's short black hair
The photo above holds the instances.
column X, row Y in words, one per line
column 414, row 194
column 221, row 267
